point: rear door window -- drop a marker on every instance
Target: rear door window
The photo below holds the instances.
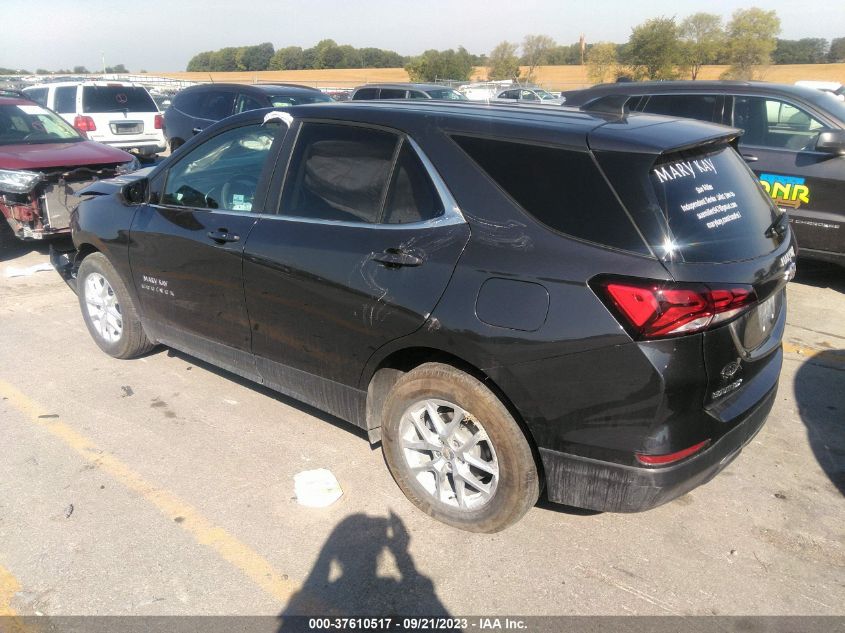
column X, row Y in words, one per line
column 701, row 107
column 392, row 93
column 216, row 105
column 65, row 100
column 561, row 188
column 39, row 95
column 116, row 99
column 366, row 93
column 339, row 172
column 245, row 102
column 714, row 207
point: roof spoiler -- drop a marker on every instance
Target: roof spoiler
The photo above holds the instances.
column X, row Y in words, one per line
column 608, row 104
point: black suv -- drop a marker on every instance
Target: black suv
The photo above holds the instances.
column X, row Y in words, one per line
column 197, row 107
column 506, row 297
column 794, row 141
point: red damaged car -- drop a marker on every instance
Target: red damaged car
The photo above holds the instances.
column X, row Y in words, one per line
column 44, row 162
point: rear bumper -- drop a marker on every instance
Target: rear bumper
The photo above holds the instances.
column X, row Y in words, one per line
column 605, row 486
column 144, row 146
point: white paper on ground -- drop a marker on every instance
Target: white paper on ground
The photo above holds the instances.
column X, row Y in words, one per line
column 316, row 488
column 11, row 271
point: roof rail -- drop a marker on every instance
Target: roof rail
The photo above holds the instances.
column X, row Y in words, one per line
column 608, row 104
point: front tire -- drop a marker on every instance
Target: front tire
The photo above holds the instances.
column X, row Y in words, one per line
column 456, row 452
column 108, row 310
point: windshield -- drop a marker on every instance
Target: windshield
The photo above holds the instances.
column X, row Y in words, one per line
column 446, row 94
column 283, row 101
column 30, row 123
column 828, row 103
column 714, row 207
column 116, row 99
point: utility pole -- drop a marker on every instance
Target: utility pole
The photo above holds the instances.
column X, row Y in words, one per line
column 103, row 55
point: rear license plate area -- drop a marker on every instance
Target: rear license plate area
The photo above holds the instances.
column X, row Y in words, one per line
column 127, row 127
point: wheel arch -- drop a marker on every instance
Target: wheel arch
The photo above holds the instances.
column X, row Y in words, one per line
column 401, row 361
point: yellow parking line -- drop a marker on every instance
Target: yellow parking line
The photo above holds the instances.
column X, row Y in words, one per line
column 834, row 356
column 9, row 586
column 204, row 532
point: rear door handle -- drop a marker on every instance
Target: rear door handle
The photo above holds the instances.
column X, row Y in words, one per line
column 394, row 258
column 221, row 236
column 197, row 130
column 750, row 158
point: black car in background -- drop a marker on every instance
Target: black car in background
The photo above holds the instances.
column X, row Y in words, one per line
column 197, row 107
column 507, row 298
column 794, row 141
column 406, row 91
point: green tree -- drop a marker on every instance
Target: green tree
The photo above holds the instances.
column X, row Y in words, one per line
column 701, row 36
column 654, row 49
column 601, row 61
column 502, row 62
column 809, row 50
column 535, row 51
column 224, row 60
column 837, row 50
column 752, row 38
column 200, row 62
column 42, row 71
column 433, row 65
column 255, row 57
column 116, row 70
column 80, row 70
column 288, row 58
column 568, row 55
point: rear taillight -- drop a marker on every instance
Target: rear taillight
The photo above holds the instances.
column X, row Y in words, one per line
column 670, row 458
column 159, row 122
column 84, row 124
column 650, row 309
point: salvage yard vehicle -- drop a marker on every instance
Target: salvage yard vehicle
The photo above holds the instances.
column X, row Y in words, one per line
column 118, row 113
column 406, row 91
column 794, row 140
column 197, row 107
column 528, row 94
column 507, row 298
column 44, row 162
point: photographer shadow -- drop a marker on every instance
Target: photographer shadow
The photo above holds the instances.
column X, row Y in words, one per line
column 350, row 577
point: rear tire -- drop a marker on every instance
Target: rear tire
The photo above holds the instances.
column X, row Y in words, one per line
column 108, row 310
column 456, row 452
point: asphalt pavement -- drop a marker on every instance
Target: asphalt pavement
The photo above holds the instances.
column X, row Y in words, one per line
column 165, row 486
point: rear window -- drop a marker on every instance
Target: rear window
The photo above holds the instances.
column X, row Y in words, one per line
column 561, row 188
column 283, row 101
column 116, row 99
column 714, row 207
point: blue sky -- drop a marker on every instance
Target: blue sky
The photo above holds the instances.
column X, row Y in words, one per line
column 164, row 34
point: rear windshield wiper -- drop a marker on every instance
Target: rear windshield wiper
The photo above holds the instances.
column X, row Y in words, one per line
column 778, row 227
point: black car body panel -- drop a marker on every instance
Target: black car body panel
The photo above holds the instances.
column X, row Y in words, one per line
column 325, row 309
column 780, row 124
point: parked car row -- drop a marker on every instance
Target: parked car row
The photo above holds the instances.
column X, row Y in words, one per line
column 507, row 298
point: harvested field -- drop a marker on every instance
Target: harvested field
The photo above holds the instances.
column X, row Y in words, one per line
column 552, row 77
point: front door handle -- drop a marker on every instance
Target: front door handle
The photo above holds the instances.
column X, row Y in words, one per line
column 750, row 158
column 197, row 130
column 395, row 257
column 221, row 236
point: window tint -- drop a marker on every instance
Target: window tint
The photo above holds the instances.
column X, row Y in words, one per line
column 116, row 98
column 338, row 172
column 392, row 93
column 216, row 105
column 283, row 101
column 509, row 94
column 35, row 124
column 775, row 123
column 416, row 94
column 39, row 95
column 714, row 207
column 65, row 99
column 366, row 93
column 527, row 95
column 701, row 107
column 223, row 172
column 189, row 102
column 245, row 102
column 412, row 196
column 447, row 94
column 561, row 188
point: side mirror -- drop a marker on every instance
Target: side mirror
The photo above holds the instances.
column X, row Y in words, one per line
column 136, row 192
column 831, row 142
